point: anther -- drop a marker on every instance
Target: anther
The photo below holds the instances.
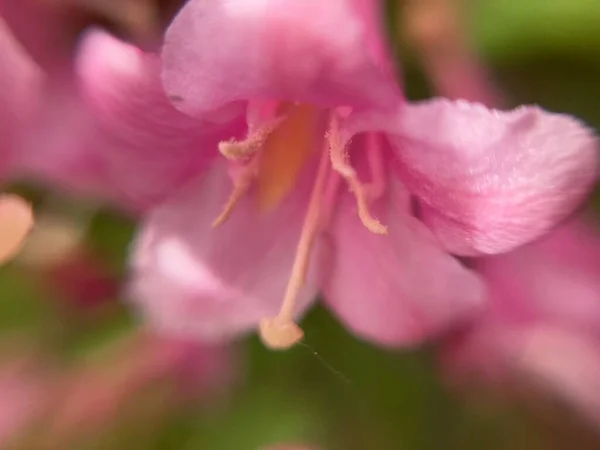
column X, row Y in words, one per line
column 241, row 150
column 279, row 333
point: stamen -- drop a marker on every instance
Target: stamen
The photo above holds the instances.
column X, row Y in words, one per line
column 280, row 332
column 242, row 183
column 334, row 180
column 240, row 150
column 339, row 162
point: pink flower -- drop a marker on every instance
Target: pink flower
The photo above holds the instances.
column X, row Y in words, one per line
column 107, row 117
column 543, row 322
column 80, row 120
column 322, row 108
column 49, row 30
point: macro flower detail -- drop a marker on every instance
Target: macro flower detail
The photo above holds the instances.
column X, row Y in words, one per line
column 323, row 111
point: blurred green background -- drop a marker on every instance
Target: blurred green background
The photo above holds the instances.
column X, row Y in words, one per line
column 335, row 390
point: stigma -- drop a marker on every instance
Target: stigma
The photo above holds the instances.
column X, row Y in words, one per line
column 272, row 156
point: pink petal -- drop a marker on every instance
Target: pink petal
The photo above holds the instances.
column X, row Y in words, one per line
column 566, row 362
column 543, row 320
column 482, row 351
column 20, row 81
column 41, row 29
column 488, row 180
column 563, row 361
column 192, row 280
column 23, row 394
column 309, row 51
column 553, row 280
column 117, row 136
column 399, row 288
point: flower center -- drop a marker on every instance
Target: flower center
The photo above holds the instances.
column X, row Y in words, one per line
column 273, row 156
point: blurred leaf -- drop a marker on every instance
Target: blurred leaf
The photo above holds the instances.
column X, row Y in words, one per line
column 263, row 414
column 22, row 303
column 506, row 29
column 97, row 335
column 111, row 235
column 558, row 83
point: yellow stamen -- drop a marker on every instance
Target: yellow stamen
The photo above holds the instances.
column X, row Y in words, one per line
column 240, row 150
column 240, row 187
column 339, row 162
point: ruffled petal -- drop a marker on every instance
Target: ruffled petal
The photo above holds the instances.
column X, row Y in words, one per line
column 192, row 280
column 116, row 135
column 487, row 180
column 308, row 51
column 400, row 288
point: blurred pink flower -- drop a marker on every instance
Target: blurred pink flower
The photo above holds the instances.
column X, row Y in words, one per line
column 93, row 397
column 316, row 85
column 49, row 30
column 543, row 322
column 81, row 280
column 23, row 397
column 439, row 31
column 110, row 117
column 49, row 42
column 81, row 120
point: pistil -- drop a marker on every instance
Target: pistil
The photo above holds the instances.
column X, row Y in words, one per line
column 280, row 332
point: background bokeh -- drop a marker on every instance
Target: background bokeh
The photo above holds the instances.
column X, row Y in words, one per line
column 333, row 389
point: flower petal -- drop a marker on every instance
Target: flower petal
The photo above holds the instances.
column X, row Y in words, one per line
column 42, row 31
column 542, row 324
column 561, row 360
column 20, row 82
column 574, row 375
column 400, row 288
column 308, row 51
column 488, row 180
column 553, row 279
column 24, row 393
column 124, row 140
column 192, row 280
